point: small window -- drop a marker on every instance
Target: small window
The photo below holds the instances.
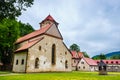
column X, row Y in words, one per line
column 74, row 61
column 40, row 48
column 82, row 62
column 17, row 62
column 66, row 64
column 37, row 63
column 65, row 53
column 106, row 62
column 22, row 62
column 83, row 67
column 97, row 62
column 116, row 62
column 79, row 67
column 112, row 62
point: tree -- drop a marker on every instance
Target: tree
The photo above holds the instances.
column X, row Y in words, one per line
column 98, row 57
column 85, row 54
column 9, row 32
column 25, row 28
column 13, row 8
column 74, row 47
column 117, row 56
column 102, row 56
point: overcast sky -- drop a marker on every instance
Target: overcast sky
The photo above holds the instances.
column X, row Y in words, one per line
column 92, row 24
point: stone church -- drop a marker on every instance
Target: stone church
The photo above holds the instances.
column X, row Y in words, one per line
column 42, row 50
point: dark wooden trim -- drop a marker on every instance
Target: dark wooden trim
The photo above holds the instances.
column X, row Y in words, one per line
column 53, row 36
column 26, row 62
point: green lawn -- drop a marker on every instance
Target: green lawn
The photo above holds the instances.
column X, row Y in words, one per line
column 60, row 76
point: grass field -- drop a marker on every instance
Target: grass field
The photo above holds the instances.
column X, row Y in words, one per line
column 59, row 76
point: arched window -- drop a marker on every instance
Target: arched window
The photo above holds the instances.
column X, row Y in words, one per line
column 36, row 63
column 66, row 64
column 53, row 54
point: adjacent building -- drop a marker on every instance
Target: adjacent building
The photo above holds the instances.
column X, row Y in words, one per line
column 87, row 64
column 42, row 50
column 112, row 65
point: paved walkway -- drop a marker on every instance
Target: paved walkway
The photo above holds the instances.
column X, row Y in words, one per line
column 9, row 74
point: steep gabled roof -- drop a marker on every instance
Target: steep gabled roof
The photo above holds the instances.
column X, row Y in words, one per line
column 74, row 54
column 34, row 34
column 90, row 61
column 28, row 45
column 49, row 17
column 80, row 54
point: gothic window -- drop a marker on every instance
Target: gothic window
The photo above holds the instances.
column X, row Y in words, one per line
column 36, row 63
column 17, row 62
column 53, row 54
column 22, row 62
column 66, row 64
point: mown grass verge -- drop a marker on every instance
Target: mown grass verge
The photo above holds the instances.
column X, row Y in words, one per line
column 77, row 75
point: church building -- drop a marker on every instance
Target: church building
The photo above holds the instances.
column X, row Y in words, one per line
column 42, row 50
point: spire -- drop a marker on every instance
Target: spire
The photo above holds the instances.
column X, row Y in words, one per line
column 49, row 19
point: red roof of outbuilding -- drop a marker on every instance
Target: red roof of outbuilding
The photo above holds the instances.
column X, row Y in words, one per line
column 74, row 54
column 80, row 54
column 28, row 45
column 90, row 61
column 33, row 34
column 109, row 61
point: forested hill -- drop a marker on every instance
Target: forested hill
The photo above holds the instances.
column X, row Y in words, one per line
column 113, row 54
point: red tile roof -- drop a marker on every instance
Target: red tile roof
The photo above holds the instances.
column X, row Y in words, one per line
column 33, row 34
column 80, row 54
column 28, row 45
column 49, row 17
column 90, row 61
column 74, row 54
column 109, row 61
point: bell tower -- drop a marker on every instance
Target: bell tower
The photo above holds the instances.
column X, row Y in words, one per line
column 48, row 21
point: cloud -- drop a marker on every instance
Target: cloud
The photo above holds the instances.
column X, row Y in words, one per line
column 94, row 25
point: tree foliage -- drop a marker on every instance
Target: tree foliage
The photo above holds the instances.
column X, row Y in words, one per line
column 25, row 28
column 13, row 8
column 98, row 57
column 85, row 54
column 115, row 56
column 74, row 47
column 9, row 32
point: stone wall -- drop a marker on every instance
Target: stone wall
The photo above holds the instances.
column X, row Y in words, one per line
column 44, row 55
column 19, row 66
